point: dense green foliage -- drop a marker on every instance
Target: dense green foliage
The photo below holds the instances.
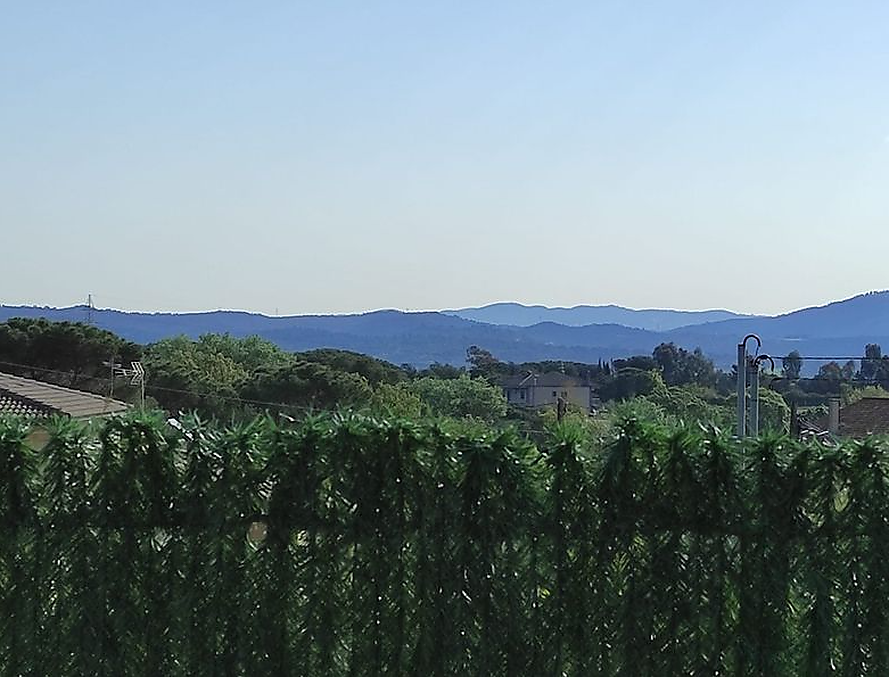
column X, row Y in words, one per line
column 833, row 379
column 374, row 371
column 217, row 374
column 350, row 546
column 231, row 378
column 483, row 364
column 680, row 367
column 460, row 397
column 224, row 376
column 67, row 353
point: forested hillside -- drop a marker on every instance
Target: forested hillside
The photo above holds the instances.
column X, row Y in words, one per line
column 420, row 339
column 225, row 377
column 519, row 315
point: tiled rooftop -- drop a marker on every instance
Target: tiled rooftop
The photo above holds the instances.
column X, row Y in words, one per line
column 867, row 416
column 27, row 397
column 10, row 404
column 550, row 379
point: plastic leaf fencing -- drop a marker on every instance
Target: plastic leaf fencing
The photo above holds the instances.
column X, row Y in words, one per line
column 348, row 546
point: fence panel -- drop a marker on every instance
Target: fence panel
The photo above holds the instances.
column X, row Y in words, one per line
column 350, row 546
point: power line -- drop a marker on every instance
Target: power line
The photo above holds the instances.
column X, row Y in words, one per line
column 148, row 386
column 834, row 358
column 853, row 381
column 238, row 400
column 526, row 430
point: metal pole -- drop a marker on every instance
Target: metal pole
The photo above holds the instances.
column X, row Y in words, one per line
column 754, row 398
column 742, row 390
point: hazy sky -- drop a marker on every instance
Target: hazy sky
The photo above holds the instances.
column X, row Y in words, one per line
column 333, row 156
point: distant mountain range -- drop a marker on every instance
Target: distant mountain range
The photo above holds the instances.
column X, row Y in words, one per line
column 518, row 315
column 838, row 329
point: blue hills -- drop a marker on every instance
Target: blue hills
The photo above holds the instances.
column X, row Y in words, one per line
column 841, row 328
column 519, row 315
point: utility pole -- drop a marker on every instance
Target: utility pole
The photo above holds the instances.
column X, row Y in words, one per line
column 743, row 368
column 742, row 390
column 113, row 364
column 89, row 309
column 754, row 391
column 754, row 397
column 748, row 374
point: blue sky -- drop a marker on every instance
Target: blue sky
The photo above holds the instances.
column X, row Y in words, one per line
column 333, row 157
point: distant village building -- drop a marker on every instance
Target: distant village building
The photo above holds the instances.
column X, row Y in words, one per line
column 541, row 390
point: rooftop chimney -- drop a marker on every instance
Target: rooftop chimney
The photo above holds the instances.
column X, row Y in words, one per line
column 833, row 415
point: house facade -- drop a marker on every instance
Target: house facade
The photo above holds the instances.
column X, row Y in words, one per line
column 542, row 390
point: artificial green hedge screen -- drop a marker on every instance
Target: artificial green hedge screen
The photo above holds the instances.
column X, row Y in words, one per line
column 350, row 546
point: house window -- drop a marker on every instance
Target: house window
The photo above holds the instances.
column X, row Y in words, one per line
column 554, row 394
column 522, row 394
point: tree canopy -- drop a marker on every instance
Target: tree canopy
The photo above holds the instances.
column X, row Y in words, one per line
column 792, row 365
column 461, row 397
column 374, row 370
column 72, row 354
column 224, row 376
column 681, row 367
